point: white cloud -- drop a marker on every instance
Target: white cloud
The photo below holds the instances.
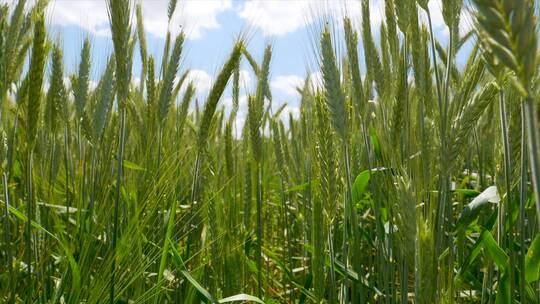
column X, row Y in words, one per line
column 277, row 17
column 194, row 16
column 287, row 84
column 242, row 104
column 316, row 79
column 289, row 109
column 136, row 81
column 240, row 118
column 272, row 17
column 238, row 126
column 245, row 78
column 89, row 15
column 437, row 19
column 466, row 23
column 201, row 79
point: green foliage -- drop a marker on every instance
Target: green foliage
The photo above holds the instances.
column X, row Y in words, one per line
column 472, row 210
column 361, row 183
column 532, row 261
column 389, row 183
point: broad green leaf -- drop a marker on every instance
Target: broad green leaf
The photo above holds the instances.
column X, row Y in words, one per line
column 467, row 192
column 69, row 256
column 494, row 251
column 176, row 257
column 340, row 269
column 375, row 142
column 472, row 210
column 75, row 272
column 24, row 219
column 361, row 182
column 352, row 275
column 532, row 261
column 306, row 287
column 504, row 294
column 477, row 248
column 163, row 262
column 241, row 297
column 203, row 292
column 473, row 254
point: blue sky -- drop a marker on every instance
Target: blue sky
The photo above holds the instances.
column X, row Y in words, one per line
column 211, row 27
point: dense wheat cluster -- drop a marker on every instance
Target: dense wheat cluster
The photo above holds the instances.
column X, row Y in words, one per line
column 413, row 180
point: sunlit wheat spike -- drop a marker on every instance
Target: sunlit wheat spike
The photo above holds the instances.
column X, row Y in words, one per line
column 35, row 80
column 150, row 82
column 263, row 76
column 216, row 91
column 3, row 25
column 451, row 10
column 83, row 79
column 56, row 94
column 254, row 120
column 105, row 100
column 180, row 83
column 119, row 16
column 351, row 38
column 332, row 84
column 251, row 61
column 425, row 277
column 402, row 14
column 142, row 44
column 13, row 35
column 229, row 158
column 467, row 120
column 509, row 37
column 171, row 8
column 235, row 92
column 393, row 39
column 166, row 91
column 371, row 55
column 405, row 212
column 184, row 107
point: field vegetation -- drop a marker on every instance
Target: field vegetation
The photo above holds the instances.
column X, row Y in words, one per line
column 413, row 180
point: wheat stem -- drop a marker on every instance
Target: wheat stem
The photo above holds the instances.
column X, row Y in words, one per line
column 534, row 149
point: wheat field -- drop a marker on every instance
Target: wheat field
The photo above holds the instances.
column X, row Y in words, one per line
column 413, row 180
